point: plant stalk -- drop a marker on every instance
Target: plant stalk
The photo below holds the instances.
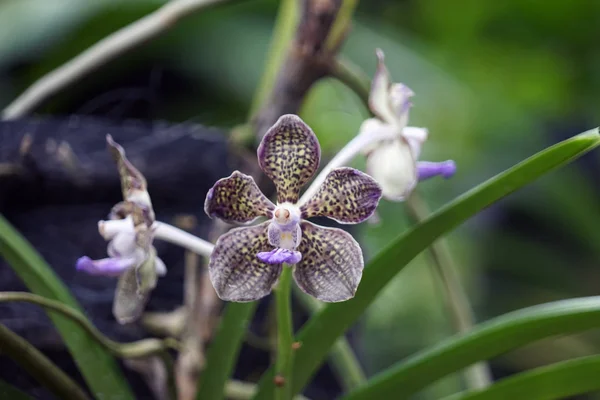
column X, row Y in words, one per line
column 285, row 336
column 141, row 348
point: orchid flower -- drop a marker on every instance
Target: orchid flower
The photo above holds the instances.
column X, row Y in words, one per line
column 130, row 234
column 328, row 262
column 393, row 161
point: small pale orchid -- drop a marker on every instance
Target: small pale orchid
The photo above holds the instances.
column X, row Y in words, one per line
column 328, row 262
column 131, row 253
column 393, row 161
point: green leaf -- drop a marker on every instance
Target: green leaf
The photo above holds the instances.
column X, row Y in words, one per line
column 10, row 392
column 97, row 366
column 224, row 349
column 485, row 341
column 556, row 381
column 321, row 331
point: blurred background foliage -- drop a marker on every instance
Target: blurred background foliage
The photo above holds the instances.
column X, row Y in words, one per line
column 495, row 81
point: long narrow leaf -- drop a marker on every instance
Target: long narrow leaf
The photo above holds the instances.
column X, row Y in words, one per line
column 10, row 392
column 321, row 331
column 97, row 366
column 224, row 350
column 485, row 341
column 556, row 381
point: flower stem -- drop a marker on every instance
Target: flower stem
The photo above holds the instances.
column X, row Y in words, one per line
column 141, row 348
column 39, row 366
column 177, row 236
column 353, row 77
column 343, row 359
column 285, row 336
column 477, row 376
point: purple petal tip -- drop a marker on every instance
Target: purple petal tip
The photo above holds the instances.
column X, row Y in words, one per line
column 428, row 169
column 105, row 266
column 83, row 263
column 279, row 256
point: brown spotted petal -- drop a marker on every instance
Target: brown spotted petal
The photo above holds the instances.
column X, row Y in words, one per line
column 347, row 196
column 234, row 269
column 331, row 265
column 237, row 199
column 129, row 303
column 289, row 154
column 132, row 180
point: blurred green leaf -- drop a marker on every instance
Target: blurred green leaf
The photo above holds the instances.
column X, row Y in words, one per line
column 485, row 341
column 557, row 381
column 319, row 334
column 224, row 350
column 8, row 391
column 38, row 366
column 97, row 366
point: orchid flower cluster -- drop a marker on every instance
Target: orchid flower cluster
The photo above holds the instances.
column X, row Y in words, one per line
column 247, row 261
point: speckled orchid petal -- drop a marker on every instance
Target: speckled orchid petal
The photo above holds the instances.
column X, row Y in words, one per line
column 427, row 169
column 280, row 256
column 134, row 288
column 347, row 196
column 146, row 272
column 129, row 303
column 133, row 183
column 379, row 96
column 237, row 274
column 289, row 154
column 331, row 265
column 392, row 165
column 237, row 199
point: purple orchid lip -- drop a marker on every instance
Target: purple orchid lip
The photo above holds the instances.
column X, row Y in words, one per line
column 279, row 256
column 105, row 266
column 428, row 169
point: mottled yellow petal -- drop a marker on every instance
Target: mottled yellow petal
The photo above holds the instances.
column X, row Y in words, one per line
column 234, row 268
column 347, row 196
column 289, row 154
column 331, row 265
column 237, row 199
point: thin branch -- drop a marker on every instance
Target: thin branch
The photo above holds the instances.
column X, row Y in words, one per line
column 191, row 358
column 102, row 52
column 318, row 36
column 39, row 366
column 141, row 348
column 353, row 77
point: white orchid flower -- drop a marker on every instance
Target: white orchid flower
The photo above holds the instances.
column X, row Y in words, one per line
column 393, row 161
column 130, row 233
